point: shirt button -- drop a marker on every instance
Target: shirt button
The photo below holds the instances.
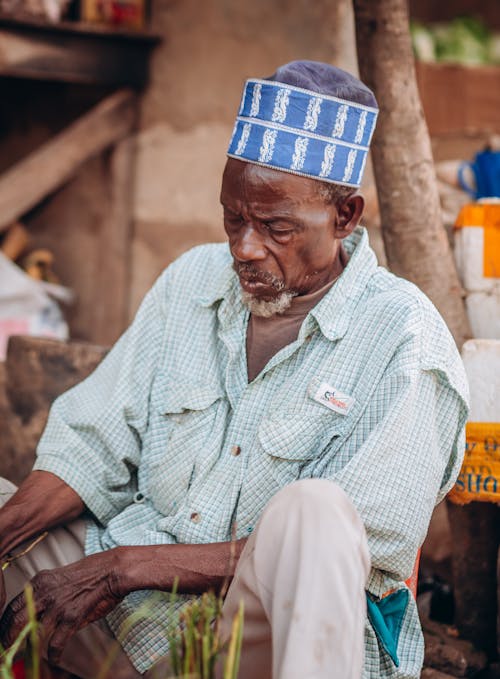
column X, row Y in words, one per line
column 235, row 450
column 139, row 498
column 195, row 517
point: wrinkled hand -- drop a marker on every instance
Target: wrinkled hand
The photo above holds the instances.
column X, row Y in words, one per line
column 66, row 599
column 2, row 590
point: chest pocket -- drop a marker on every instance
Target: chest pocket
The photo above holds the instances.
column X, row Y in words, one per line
column 186, row 421
column 292, row 440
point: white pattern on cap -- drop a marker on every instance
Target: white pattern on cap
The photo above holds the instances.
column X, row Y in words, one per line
column 338, row 130
column 350, row 165
column 328, row 157
column 254, row 108
column 280, row 106
column 245, row 133
column 267, row 147
column 361, row 128
column 296, row 130
column 299, row 154
column 313, row 111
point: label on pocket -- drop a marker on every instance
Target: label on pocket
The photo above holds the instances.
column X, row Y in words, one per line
column 333, row 399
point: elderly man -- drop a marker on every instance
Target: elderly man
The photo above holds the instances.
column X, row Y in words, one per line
column 282, row 389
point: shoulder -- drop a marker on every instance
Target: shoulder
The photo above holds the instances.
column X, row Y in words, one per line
column 205, row 262
column 401, row 304
column 399, row 308
column 202, row 269
column 417, row 327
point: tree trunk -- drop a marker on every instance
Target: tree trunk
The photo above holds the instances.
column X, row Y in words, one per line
column 415, row 240
column 343, row 40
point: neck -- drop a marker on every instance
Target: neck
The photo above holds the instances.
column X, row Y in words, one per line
column 331, row 274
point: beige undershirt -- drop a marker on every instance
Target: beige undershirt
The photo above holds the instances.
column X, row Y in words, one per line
column 266, row 336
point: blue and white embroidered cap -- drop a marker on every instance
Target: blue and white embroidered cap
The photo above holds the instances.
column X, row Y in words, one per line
column 303, row 131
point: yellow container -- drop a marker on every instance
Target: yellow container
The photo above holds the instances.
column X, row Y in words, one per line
column 123, row 13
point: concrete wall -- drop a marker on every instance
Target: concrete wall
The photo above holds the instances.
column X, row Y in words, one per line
column 208, row 50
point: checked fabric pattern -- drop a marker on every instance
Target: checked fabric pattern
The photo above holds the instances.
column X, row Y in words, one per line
column 148, row 440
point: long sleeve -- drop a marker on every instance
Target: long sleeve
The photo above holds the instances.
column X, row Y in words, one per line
column 409, row 446
column 94, row 432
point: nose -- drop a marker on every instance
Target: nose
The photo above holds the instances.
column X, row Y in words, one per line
column 246, row 245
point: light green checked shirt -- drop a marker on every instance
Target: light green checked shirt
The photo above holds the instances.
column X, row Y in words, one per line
column 148, row 439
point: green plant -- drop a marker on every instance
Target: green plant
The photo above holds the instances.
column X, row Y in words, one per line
column 28, row 634
column 195, row 640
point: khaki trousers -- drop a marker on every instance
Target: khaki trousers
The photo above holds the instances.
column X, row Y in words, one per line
column 301, row 575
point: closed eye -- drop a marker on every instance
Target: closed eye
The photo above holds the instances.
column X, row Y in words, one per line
column 278, row 229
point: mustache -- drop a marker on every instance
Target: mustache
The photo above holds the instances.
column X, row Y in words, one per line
column 250, row 273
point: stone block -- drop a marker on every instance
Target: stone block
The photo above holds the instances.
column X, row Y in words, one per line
column 481, row 358
column 447, row 653
column 37, row 370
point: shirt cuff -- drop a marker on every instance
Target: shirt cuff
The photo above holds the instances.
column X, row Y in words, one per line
column 85, row 486
column 379, row 583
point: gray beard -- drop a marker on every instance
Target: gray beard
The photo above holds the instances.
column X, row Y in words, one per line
column 267, row 308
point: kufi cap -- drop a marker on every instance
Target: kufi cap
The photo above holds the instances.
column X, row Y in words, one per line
column 310, row 119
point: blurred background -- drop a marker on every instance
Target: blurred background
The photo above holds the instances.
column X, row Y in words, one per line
column 115, row 117
column 139, row 184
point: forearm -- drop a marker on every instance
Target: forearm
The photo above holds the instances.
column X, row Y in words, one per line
column 42, row 501
column 197, row 567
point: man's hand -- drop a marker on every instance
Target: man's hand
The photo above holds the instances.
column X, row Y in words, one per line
column 2, row 590
column 66, row 599
column 71, row 597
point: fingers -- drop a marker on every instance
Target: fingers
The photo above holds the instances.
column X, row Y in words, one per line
column 13, row 620
column 2, row 591
column 54, row 633
column 58, row 641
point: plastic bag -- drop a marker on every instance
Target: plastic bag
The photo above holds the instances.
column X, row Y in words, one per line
column 29, row 307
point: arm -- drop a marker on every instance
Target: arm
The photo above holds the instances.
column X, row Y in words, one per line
column 197, row 567
column 93, row 437
column 73, row 596
column 91, row 445
column 408, row 447
column 42, row 501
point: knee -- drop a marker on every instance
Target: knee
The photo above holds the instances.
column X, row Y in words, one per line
column 320, row 500
column 318, row 515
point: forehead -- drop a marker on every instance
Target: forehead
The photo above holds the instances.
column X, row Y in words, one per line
column 249, row 183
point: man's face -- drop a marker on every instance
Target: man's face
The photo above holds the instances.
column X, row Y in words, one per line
column 282, row 232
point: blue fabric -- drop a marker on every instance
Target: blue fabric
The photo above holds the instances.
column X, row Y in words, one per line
column 326, row 79
column 386, row 617
column 296, row 130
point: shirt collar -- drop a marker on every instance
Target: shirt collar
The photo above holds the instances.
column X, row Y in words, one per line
column 333, row 311
column 219, row 287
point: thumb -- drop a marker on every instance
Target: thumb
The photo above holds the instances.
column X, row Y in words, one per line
column 3, row 594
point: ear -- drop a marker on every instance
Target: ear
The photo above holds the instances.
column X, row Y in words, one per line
column 349, row 214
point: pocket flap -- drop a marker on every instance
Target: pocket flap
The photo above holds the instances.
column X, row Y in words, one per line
column 180, row 396
column 299, row 436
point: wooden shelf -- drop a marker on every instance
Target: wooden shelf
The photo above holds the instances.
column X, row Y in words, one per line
column 74, row 52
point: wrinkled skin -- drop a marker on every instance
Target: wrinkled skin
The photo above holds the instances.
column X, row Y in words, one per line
column 2, row 591
column 66, row 600
column 71, row 597
column 282, row 233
